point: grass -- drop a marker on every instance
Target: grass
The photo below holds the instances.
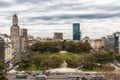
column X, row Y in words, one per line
column 63, row 56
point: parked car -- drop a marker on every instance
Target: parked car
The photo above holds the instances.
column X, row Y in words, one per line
column 21, row 76
column 40, row 77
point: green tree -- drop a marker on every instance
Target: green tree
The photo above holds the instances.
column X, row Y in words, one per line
column 51, row 47
column 103, row 56
column 117, row 57
column 77, row 47
column 63, row 45
column 87, row 61
column 2, row 72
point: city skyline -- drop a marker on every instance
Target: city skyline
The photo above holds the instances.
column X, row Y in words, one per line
column 44, row 17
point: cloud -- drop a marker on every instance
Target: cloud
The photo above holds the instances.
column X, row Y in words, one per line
column 78, row 16
column 95, row 16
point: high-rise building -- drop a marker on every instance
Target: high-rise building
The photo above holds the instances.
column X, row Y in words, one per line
column 24, row 44
column 109, row 42
column 15, row 34
column 117, row 42
column 24, row 32
column 24, row 40
column 76, row 31
column 15, row 38
column 58, row 36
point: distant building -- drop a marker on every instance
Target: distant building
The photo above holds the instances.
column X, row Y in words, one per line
column 15, row 34
column 30, row 37
column 38, row 38
column 2, row 49
column 24, row 44
column 97, row 43
column 76, row 31
column 117, row 42
column 24, row 40
column 31, row 40
column 109, row 42
column 58, row 36
column 6, row 49
column 24, row 32
column 46, row 40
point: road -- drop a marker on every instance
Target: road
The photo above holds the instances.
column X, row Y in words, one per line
column 11, row 76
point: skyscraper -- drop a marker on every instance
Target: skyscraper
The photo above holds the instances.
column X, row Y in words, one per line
column 24, row 40
column 15, row 34
column 109, row 42
column 76, row 31
column 117, row 42
column 24, row 32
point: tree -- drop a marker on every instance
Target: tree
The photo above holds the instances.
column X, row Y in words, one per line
column 63, row 45
column 86, row 47
column 87, row 61
column 2, row 72
column 117, row 57
column 77, row 47
column 51, row 47
column 103, row 56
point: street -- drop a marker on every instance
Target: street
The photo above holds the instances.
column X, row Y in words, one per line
column 12, row 76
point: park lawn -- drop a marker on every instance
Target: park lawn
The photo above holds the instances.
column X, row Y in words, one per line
column 71, row 58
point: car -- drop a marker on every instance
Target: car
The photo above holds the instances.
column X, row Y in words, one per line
column 97, row 78
column 21, row 76
column 40, row 77
column 34, row 73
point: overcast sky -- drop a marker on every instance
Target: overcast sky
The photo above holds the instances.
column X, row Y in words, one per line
column 42, row 18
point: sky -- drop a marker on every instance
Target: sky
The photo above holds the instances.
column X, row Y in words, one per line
column 42, row 18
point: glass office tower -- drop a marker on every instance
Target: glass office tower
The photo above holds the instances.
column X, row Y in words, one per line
column 76, row 31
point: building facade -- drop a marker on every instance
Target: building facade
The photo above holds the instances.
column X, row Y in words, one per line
column 97, row 43
column 76, row 31
column 15, row 34
column 117, row 42
column 109, row 42
column 15, row 38
column 58, row 36
column 6, row 49
column 24, row 40
column 2, row 50
column 24, row 32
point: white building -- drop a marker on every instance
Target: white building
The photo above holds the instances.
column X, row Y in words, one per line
column 8, row 53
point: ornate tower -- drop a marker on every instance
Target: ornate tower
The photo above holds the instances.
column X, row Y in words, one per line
column 15, row 34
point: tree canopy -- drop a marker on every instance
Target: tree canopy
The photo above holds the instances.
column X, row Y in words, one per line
column 74, row 47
